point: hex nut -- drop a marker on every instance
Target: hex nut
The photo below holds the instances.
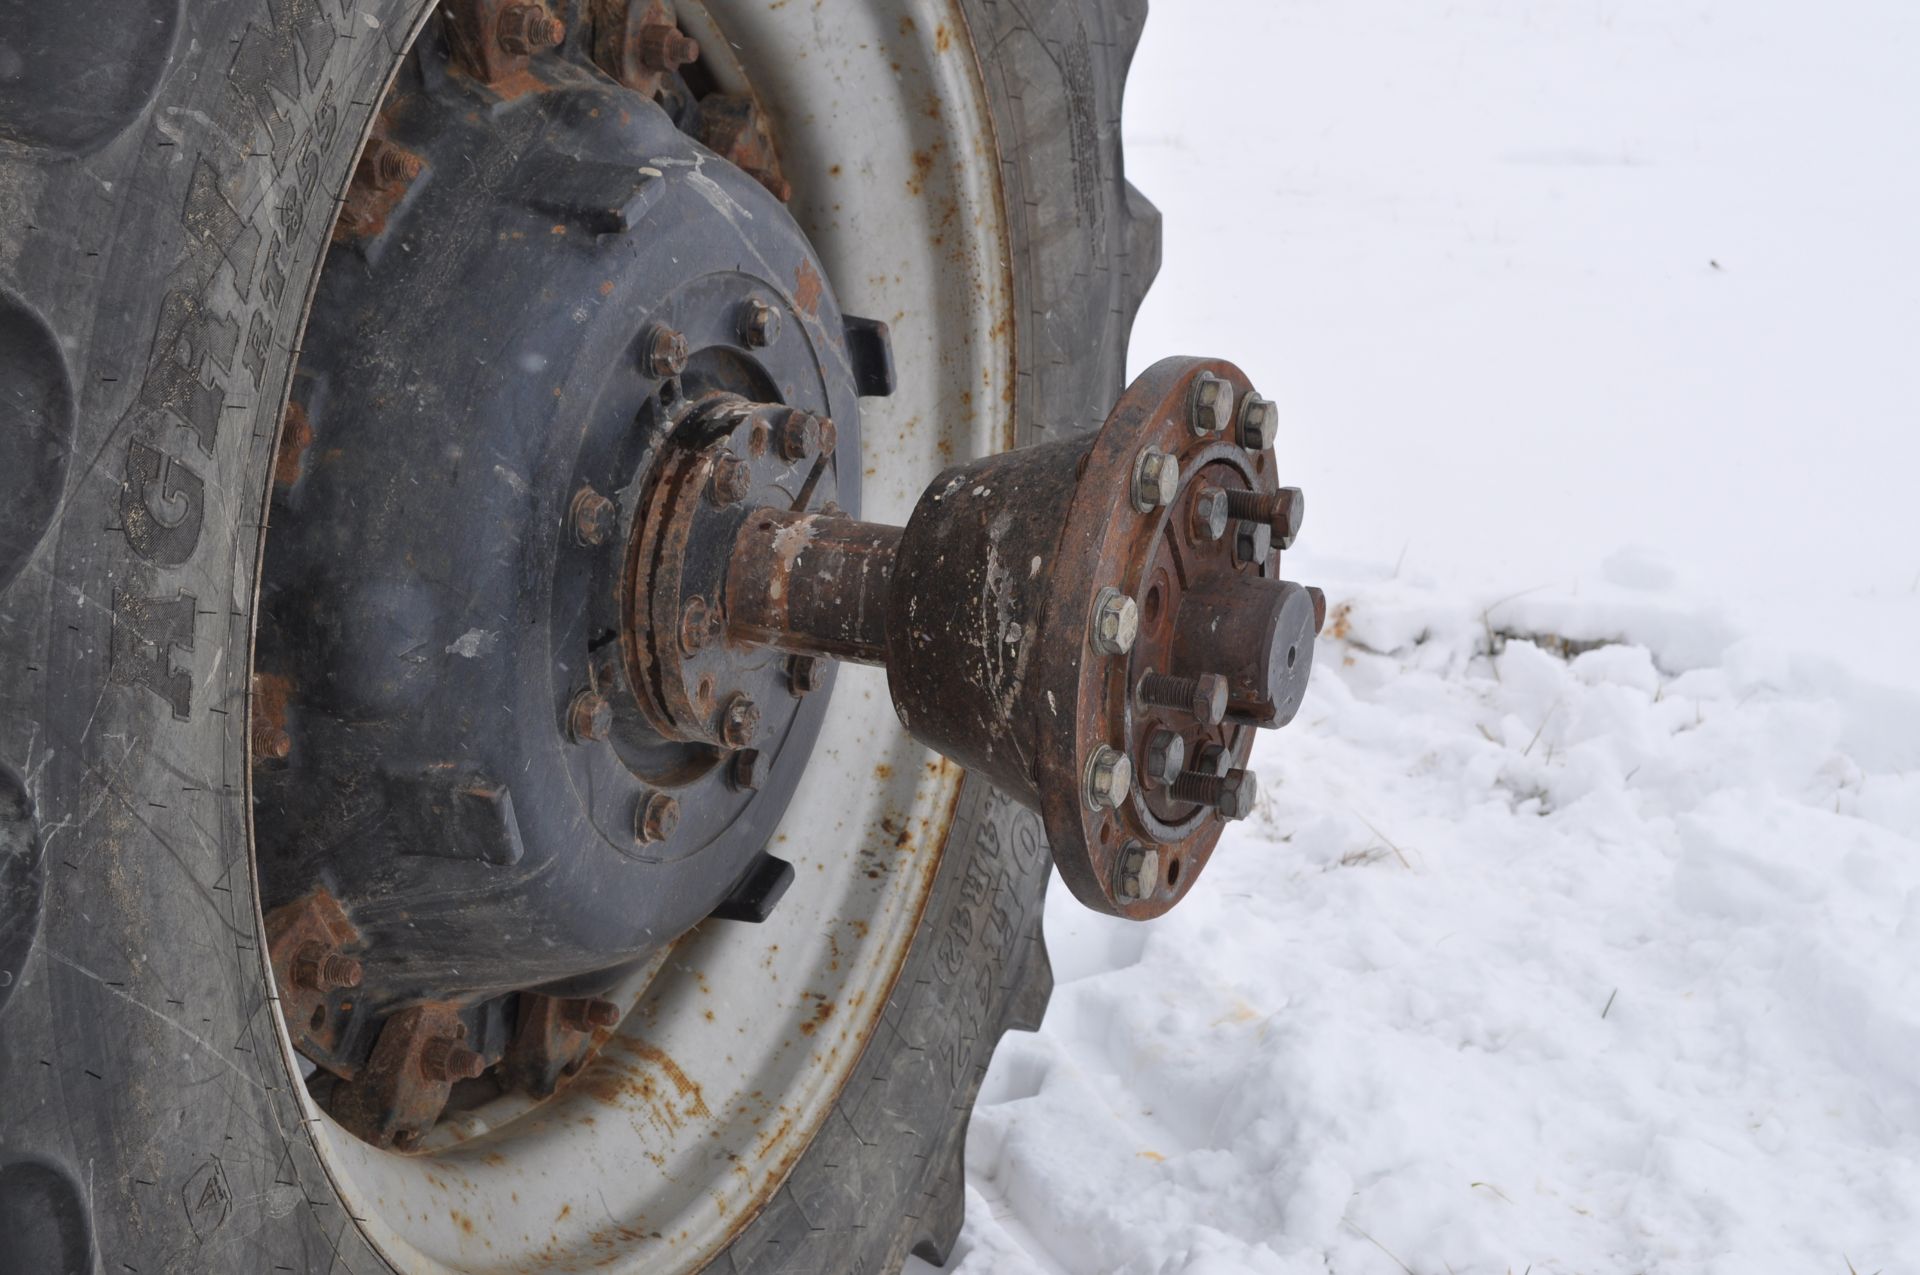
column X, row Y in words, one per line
column 748, row 770
column 739, row 720
column 1164, row 757
column 1211, row 406
column 759, row 324
column 1239, row 789
column 444, row 1058
column 1156, row 480
column 1116, row 622
column 655, row 816
column 1109, row 778
column 666, row 351
column 583, row 1014
column 805, row 674
column 731, row 482
column 319, row 969
column 1139, row 874
column 664, row 48
column 1252, row 543
column 526, row 28
column 1210, row 513
column 1289, row 512
column 797, row 435
column 593, row 516
column 589, row 716
column 1259, row 423
column 1212, row 759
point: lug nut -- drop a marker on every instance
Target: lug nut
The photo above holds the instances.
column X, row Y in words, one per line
column 805, row 674
column 526, row 28
column 1210, row 513
column 732, row 480
column 1282, row 511
column 663, row 48
column 1259, row 423
column 1212, row 404
column 1164, row 757
column 1116, row 622
column 1109, row 778
column 666, row 351
column 1156, row 480
column 748, row 769
column 1231, row 794
column 593, row 516
column 588, row 1012
column 797, row 435
column 1203, row 697
column 760, row 325
column 319, row 970
column 589, row 716
column 1139, row 874
column 655, row 816
column 1252, row 542
column 445, row 1058
column 739, row 721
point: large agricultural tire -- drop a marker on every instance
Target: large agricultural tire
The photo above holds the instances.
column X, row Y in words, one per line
column 169, row 172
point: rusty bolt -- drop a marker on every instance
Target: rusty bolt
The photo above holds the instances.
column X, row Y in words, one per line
column 527, row 28
column 1109, row 778
column 1282, row 511
column 805, row 674
column 732, row 480
column 797, row 435
column 1212, row 404
column 1212, row 759
column 1116, row 622
column 1156, row 480
column 318, row 969
column 655, row 816
column 1252, row 542
column 589, row 716
column 1139, row 873
column 1203, row 697
column 386, row 165
column 748, row 770
column 585, row 1013
column 739, row 720
column 445, row 1058
column 696, row 624
column 1231, row 794
column 666, row 351
column 1259, row 423
column 664, row 48
column 1210, row 513
column 759, row 324
column 593, row 516
column 270, row 742
column 1164, row 757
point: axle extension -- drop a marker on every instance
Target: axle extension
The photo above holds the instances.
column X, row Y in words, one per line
column 1097, row 625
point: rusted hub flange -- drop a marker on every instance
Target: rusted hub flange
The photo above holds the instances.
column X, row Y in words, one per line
column 1098, row 625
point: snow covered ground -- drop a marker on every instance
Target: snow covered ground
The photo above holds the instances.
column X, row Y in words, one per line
column 1579, row 928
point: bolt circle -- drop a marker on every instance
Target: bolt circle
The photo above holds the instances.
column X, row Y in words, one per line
column 589, row 716
column 760, row 324
column 1116, row 622
column 655, row 816
column 739, row 721
column 592, row 516
column 1211, row 404
column 665, row 351
column 1156, row 480
column 1139, row 873
column 1109, row 778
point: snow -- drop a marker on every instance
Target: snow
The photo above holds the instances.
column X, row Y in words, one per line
column 1578, row 929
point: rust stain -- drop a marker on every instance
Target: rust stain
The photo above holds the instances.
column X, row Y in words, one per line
column 808, row 287
column 296, row 435
column 942, row 38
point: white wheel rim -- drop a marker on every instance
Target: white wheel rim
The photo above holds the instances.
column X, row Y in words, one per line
column 669, row 1142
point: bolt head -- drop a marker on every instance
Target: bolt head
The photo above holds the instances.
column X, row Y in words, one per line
column 805, row 674
column 526, row 28
column 739, row 721
column 797, row 436
column 1164, row 757
column 587, row 1013
column 731, row 482
column 1212, row 759
column 1212, row 404
column 1139, row 874
column 760, row 324
column 1238, row 794
column 749, row 769
column 589, row 716
column 1259, row 423
column 665, row 351
column 445, row 1058
column 655, row 816
column 1156, row 480
column 1210, row 513
column 1210, row 699
column 1289, row 511
column 1109, row 778
column 1252, row 543
column 593, row 517
column 1116, row 622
